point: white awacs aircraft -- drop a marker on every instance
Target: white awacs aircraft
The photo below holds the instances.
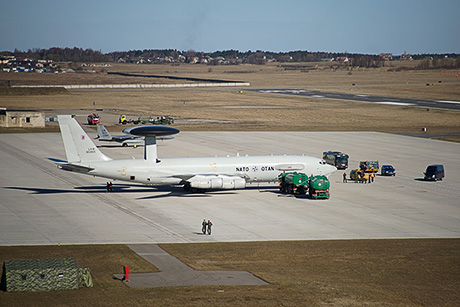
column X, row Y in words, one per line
column 200, row 173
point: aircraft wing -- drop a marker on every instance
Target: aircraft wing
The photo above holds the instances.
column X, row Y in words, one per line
column 121, row 138
column 188, row 177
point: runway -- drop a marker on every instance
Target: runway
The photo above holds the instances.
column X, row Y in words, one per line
column 424, row 103
column 42, row 205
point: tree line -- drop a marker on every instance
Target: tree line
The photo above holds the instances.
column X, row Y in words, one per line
column 235, row 56
column 436, row 63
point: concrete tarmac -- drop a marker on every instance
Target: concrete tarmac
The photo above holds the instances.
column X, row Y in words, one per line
column 173, row 272
column 42, row 205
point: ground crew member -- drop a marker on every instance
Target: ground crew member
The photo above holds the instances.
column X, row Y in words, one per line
column 203, row 228
column 364, row 178
column 344, row 177
column 372, row 176
column 209, row 227
column 110, row 187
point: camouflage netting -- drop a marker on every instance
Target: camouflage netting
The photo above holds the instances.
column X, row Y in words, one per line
column 85, row 278
column 44, row 275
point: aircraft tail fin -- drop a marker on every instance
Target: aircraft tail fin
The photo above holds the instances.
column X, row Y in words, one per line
column 103, row 134
column 79, row 147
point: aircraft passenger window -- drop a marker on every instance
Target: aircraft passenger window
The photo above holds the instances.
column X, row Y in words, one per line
column 132, row 178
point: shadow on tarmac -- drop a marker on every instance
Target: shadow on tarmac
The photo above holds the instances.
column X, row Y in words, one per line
column 171, row 191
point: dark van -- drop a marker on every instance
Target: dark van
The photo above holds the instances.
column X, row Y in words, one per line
column 434, row 172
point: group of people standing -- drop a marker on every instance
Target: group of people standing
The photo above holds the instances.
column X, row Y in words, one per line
column 206, row 227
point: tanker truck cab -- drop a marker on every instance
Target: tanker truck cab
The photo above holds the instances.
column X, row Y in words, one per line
column 434, row 172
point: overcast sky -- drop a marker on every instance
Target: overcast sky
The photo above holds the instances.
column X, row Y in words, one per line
column 356, row 26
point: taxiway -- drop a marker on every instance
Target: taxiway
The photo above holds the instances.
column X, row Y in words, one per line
column 424, row 103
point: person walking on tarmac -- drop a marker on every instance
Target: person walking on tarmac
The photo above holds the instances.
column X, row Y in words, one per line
column 372, row 176
column 365, row 177
column 209, row 227
column 344, row 177
column 204, row 225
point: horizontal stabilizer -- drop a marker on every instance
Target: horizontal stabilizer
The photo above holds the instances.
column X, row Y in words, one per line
column 75, row 168
column 57, row 160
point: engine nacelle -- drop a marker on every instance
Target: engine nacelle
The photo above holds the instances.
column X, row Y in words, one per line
column 217, row 182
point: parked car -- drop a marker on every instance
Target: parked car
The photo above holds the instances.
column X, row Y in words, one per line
column 388, row 170
column 434, row 172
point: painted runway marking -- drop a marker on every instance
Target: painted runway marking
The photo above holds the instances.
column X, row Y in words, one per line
column 395, row 103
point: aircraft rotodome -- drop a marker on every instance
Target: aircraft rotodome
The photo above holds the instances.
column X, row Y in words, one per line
column 194, row 173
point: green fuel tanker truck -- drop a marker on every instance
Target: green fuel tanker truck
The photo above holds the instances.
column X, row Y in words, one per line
column 293, row 183
column 319, row 187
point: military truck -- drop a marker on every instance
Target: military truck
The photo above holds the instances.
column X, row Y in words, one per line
column 164, row 120
column 336, row 158
column 319, row 187
column 159, row 120
column 293, row 183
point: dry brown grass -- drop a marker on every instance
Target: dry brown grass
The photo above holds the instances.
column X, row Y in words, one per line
column 420, row 272
column 228, row 109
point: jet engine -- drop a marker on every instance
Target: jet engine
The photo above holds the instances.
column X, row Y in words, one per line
column 217, row 182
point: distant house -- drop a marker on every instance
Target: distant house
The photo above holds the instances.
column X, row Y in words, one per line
column 341, row 59
column 406, row 57
column 386, row 56
column 21, row 118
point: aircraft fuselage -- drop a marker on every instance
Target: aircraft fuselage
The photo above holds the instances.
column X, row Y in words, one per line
column 175, row 170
